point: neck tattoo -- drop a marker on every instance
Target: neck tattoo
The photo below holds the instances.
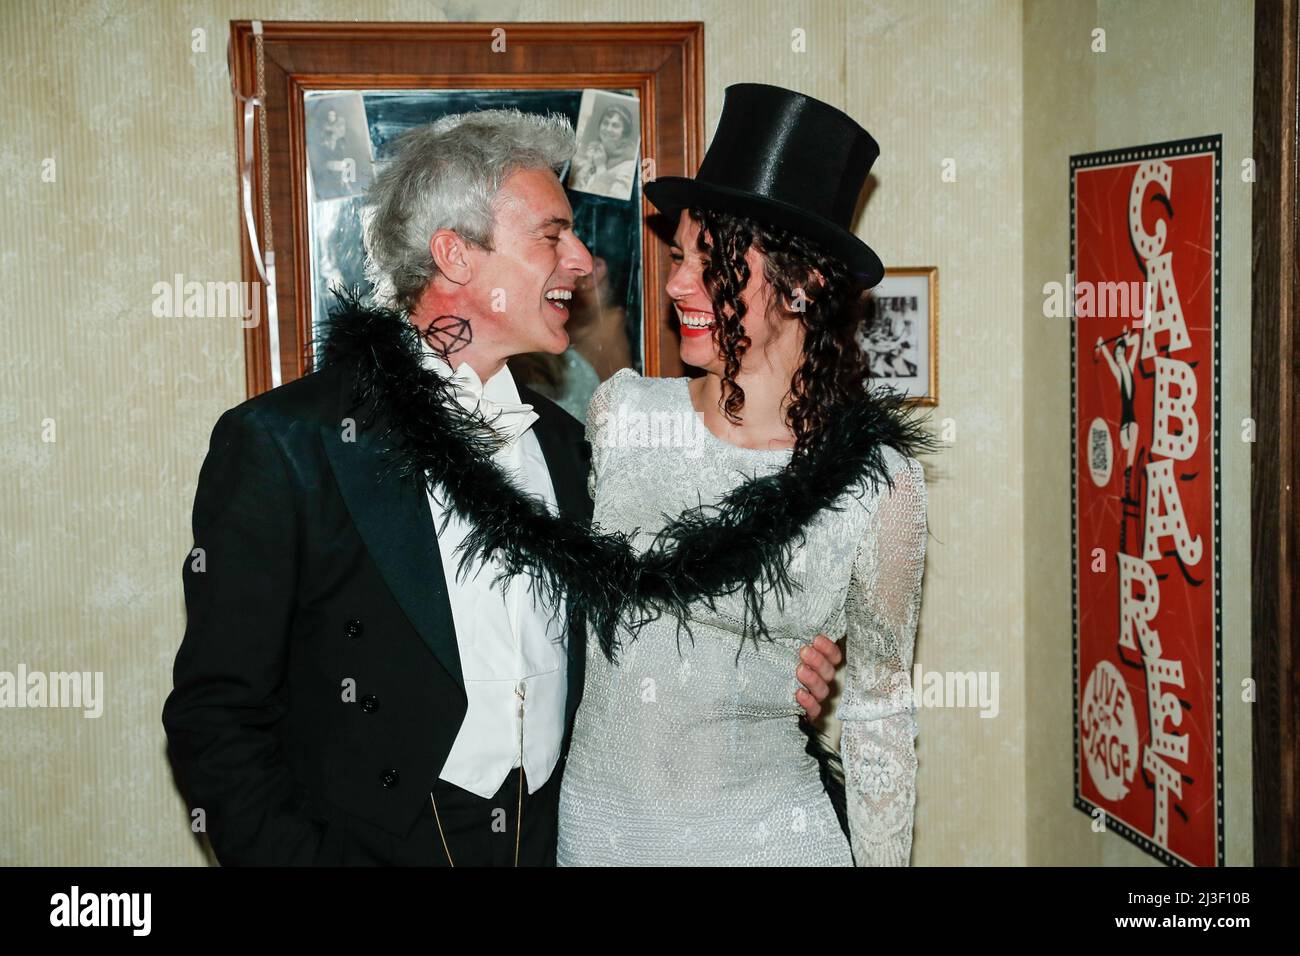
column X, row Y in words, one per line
column 448, row 334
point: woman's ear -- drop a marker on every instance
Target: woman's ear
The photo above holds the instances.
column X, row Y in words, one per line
column 798, row 300
column 803, row 294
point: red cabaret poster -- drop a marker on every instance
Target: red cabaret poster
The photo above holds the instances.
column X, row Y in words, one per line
column 1144, row 273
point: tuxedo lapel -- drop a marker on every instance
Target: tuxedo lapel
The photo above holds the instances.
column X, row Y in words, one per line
column 393, row 518
column 564, row 457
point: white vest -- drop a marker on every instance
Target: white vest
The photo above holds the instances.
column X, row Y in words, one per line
column 512, row 645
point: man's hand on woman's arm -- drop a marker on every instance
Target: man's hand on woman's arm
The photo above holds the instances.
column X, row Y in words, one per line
column 816, row 670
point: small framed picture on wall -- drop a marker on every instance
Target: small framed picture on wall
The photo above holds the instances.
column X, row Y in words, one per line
column 901, row 332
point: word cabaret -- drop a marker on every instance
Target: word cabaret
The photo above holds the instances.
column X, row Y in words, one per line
column 1145, row 443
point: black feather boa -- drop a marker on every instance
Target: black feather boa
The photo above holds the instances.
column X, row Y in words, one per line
column 741, row 544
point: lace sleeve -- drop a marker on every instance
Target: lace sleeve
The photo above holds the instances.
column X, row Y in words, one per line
column 877, row 742
column 600, row 427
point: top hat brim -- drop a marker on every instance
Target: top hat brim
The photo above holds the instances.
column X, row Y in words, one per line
column 672, row 194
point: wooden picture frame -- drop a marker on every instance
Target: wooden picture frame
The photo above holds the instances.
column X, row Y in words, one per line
column 661, row 62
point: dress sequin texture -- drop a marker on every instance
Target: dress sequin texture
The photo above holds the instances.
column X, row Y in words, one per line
column 683, row 754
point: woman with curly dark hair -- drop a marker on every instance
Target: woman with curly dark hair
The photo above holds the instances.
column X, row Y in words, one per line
column 779, row 471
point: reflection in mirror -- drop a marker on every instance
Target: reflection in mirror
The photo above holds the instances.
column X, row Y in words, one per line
column 347, row 135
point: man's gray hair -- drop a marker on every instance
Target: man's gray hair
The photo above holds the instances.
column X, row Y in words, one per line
column 445, row 176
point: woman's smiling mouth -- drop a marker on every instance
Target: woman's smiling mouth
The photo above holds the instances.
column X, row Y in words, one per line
column 695, row 323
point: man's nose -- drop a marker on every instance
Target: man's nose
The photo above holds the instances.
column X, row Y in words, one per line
column 577, row 258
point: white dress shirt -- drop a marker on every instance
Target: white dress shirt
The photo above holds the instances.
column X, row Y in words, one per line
column 512, row 643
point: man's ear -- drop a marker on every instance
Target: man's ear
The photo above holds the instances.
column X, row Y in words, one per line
column 451, row 255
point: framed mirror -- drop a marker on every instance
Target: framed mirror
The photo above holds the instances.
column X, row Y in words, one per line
column 334, row 97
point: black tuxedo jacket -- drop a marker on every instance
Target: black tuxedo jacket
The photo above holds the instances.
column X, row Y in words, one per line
column 314, row 572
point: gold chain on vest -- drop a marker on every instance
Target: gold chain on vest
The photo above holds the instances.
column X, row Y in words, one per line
column 519, row 816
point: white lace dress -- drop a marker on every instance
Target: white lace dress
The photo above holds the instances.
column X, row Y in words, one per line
column 689, row 753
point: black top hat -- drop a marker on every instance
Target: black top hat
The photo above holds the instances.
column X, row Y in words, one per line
column 783, row 158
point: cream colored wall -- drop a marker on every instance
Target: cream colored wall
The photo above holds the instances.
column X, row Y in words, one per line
column 938, row 82
column 96, row 524
column 1172, row 69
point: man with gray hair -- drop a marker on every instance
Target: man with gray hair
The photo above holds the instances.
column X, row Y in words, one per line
column 349, row 690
